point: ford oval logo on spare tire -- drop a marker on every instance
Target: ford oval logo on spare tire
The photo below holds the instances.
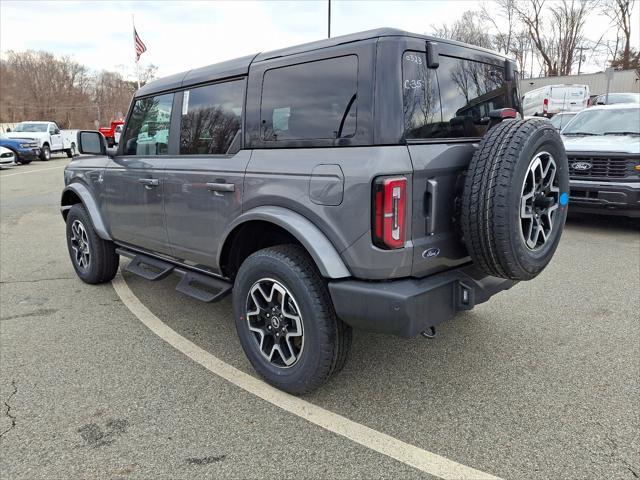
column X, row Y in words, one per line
column 432, row 252
column 581, row 166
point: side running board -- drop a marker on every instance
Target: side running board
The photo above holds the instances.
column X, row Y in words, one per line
column 196, row 285
column 149, row 268
column 203, row 288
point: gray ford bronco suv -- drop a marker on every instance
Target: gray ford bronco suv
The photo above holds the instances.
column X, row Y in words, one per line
column 381, row 180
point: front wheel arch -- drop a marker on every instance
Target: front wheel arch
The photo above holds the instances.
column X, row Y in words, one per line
column 78, row 193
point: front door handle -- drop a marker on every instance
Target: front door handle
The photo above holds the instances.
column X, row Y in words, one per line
column 149, row 182
column 221, row 187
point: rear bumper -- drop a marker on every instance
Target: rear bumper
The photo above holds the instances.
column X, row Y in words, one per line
column 617, row 198
column 409, row 306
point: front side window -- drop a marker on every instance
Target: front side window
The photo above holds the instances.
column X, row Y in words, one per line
column 211, row 119
column 148, row 127
column 314, row 100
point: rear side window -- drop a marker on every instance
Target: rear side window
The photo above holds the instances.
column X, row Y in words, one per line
column 315, row 100
column 211, row 119
column 468, row 91
column 148, row 127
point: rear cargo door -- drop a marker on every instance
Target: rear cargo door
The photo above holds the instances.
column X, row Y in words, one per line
column 446, row 114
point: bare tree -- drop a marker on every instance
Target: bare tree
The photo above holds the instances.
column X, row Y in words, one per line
column 555, row 31
column 40, row 86
column 468, row 29
column 619, row 11
column 520, row 49
column 503, row 16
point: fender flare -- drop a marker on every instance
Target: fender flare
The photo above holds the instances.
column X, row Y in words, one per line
column 311, row 237
column 90, row 204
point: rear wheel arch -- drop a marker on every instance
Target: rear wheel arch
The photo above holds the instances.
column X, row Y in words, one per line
column 270, row 226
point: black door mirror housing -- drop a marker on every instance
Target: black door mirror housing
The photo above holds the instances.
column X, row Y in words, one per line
column 91, row 142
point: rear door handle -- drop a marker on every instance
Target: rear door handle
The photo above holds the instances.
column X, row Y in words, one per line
column 221, row 187
column 149, row 182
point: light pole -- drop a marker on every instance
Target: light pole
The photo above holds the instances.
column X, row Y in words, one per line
column 329, row 21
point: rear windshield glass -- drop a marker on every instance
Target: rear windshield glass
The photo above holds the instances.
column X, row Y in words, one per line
column 452, row 101
column 312, row 100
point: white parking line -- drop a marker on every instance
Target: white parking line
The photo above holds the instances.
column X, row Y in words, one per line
column 423, row 460
column 31, row 171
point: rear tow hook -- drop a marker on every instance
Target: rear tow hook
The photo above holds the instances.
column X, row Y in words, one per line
column 429, row 333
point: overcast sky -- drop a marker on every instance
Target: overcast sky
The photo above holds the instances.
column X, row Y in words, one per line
column 184, row 35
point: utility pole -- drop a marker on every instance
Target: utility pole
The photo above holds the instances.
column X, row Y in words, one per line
column 329, row 21
column 581, row 48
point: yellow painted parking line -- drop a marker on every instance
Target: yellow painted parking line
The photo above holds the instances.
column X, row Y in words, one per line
column 408, row 454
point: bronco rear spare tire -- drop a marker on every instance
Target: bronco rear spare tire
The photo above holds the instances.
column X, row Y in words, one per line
column 514, row 202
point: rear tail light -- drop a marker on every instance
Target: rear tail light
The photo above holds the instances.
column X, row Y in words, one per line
column 389, row 212
column 545, row 105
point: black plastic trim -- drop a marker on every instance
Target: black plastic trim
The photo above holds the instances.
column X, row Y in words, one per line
column 409, row 306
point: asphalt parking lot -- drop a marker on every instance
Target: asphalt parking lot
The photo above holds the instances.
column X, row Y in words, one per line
column 543, row 381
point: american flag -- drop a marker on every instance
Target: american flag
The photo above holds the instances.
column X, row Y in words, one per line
column 140, row 47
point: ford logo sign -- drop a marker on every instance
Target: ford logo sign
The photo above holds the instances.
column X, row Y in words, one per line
column 581, row 166
column 432, row 252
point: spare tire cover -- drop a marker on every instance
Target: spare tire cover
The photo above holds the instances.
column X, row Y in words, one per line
column 515, row 197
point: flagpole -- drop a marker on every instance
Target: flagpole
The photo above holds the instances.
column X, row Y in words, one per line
column 134, row 49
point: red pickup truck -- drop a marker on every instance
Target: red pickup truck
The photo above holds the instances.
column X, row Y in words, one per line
column 112, row 133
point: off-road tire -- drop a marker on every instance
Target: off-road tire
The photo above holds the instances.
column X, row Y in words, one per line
column 104, row 259
column 493, row 188
column 45, row 153
column 327, row 339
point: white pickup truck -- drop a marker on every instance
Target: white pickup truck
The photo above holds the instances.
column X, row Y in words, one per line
column 49, row 137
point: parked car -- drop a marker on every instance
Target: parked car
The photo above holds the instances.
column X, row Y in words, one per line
column 25, row 149
column 603, row 146
column 328, row 186
column 7, row 158
column 48, row 135
column 552, row 99
column 560, row 120
column 617, row 98
column 113, row 132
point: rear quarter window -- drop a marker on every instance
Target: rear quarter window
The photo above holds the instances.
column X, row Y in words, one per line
column 313, row 100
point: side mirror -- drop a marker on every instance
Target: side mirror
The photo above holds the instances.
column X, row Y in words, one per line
column 8, row 130
column 56, row 132
column 91, row 142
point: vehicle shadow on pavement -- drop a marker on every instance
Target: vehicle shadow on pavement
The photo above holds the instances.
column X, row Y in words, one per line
column 608, row 222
